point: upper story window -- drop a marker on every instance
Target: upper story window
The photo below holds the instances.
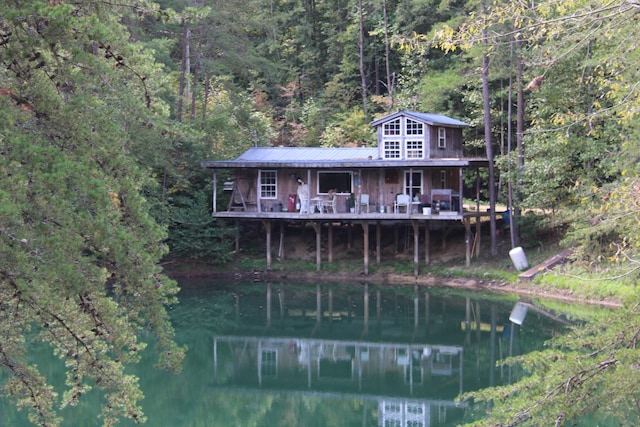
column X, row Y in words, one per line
column 442, row 138
column 414, row 128
column 415, row 149
column 392, row 128
column 268, row 184
column 392, row 149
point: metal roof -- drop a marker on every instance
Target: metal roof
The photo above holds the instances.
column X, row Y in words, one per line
column 306, row 154
column 342, row 164
column 428, row 118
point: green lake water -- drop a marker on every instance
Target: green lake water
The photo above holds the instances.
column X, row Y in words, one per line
column 324, row 355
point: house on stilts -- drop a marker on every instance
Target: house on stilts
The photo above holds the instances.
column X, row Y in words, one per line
column 414, row 176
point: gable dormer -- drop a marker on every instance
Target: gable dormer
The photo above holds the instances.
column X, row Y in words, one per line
column 408, row 135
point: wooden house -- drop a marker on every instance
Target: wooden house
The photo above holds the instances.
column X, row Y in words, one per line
column 415, row 173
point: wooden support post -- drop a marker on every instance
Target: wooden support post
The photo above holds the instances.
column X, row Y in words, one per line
column 378, row 310
column 268, row 305
column 267, row 227
column 467, row 240
column 416, row 247
column 365, row 231
column 478, row 235
column 395, row 238
column 478, row 218
column 427, row 313
column 365, row 330
column 317, row 226
column 416, row 308
column 330, row 242
column 318, row 304
column 427, row 242
column 237, row 223
column 215, row 191
column 467, row 322
column 378, row 243
column 281, row 245
column 330, row 307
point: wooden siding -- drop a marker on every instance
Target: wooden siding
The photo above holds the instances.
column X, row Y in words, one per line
column 453, row 150
column 381, row 184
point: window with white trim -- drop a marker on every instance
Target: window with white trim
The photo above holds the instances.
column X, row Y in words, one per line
column 391, row 149
column 269, row 362
column 391, row 128
column 414, row 128
column 443, row 179
column 415, row 149
column 413, row 184
column 442, row 138
column 268, row 184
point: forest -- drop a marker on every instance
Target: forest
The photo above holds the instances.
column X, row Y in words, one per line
column 108, row 108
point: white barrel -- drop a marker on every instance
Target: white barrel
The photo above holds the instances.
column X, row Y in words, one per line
column 519, row 259
column 426, row 211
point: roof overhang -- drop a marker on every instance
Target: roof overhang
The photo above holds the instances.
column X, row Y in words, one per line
column 355, row 164
column 428, row 118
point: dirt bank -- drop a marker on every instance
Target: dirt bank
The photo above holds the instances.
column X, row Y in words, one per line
column 525, row 290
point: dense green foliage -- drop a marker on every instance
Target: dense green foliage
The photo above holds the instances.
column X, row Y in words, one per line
column 107, row 109
column 78, row 245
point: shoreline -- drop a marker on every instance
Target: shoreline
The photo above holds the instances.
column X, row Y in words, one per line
column 381, row 279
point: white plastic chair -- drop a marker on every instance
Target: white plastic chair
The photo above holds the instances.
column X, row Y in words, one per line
column 330, row 203
column 364, row 201
column 402, row 200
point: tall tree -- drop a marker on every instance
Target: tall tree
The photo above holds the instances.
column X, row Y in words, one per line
column 361, row 50
column 80, row 249
column 582, row 102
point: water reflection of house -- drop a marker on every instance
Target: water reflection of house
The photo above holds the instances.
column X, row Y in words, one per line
column 404, row 379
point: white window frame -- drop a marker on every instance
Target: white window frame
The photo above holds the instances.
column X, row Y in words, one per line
column 392, row 128
column 269, row 362
column 416, row 187
column 319, row 181
column 414, row 128
column 442, row 137
column 392, row 149
column 268, row 189
column 414, row 149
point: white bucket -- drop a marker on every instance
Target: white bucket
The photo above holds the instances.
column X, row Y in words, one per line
column 519, row 259
column 426, row 211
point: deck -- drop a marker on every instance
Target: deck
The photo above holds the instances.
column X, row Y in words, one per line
column 342, row 216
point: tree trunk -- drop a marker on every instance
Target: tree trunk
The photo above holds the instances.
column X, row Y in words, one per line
column 387, row 52
column 184, row 70
column 511, row 202
column 519, row 131
column 205, row 102
column 363, row 76
column 194, row 93
column 488, row 145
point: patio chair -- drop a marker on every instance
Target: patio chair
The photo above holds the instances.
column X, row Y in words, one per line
column 364, row 201
column 402, row 200
column 329, row 202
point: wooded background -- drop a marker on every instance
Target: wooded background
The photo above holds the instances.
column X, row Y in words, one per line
column 107, row 109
